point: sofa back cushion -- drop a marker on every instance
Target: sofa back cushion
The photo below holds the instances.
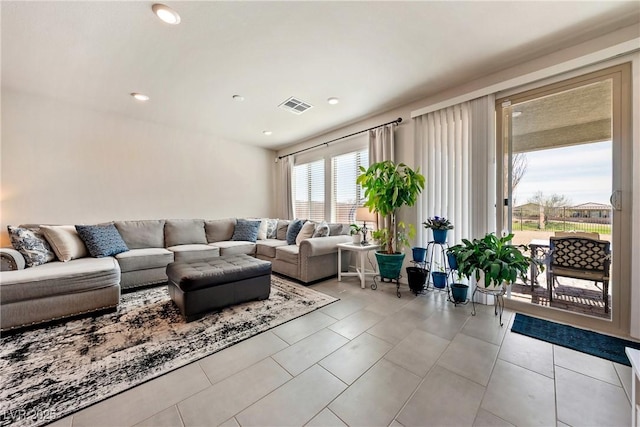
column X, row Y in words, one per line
column 281, row 230
column 64, row 241
column 219, row 230
column 336, row 229
column 142, row 234
column 184, row 232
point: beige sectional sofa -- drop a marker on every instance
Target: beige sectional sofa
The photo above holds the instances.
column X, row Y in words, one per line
column 60, row 289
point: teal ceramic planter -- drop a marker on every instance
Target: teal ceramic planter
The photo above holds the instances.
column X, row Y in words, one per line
column 459, row 292
column 390, row 265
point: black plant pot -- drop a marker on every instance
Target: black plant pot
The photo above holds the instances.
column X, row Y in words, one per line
column 417, row 278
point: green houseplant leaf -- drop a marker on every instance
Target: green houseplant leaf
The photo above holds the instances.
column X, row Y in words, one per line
column 500, row 261
column 387, row 187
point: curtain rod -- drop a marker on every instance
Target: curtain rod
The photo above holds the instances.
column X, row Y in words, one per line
column 396, row 121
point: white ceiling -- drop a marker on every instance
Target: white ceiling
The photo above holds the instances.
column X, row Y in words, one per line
column 374, row 56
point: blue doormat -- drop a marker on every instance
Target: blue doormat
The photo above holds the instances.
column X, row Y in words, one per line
column 593, row 343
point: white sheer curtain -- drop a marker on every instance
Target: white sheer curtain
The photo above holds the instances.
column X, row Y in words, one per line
column 382, row 147
column 382, row 144
column 455, row 149
column 286, row 177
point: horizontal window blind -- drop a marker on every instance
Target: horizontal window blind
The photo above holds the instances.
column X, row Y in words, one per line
column 346, row 195
column 309, row 196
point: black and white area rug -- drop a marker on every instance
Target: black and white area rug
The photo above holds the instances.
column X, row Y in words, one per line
column 51, row 372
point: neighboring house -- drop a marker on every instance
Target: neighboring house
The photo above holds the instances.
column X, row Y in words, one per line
column 591, row 210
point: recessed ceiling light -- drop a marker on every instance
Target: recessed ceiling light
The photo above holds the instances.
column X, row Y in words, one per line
column 166, row 14
column 267, row 132
column 238, row 98
column 140, row 96
column 333, row 101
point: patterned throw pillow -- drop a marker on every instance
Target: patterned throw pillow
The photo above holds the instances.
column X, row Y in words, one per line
column 272, row 228
column 102, row 240
column 246, row 230
column 322, row 230
column 293, row 229
column 32, row 245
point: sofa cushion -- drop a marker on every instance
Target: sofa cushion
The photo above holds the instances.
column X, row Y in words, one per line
column 218, row 230
column 64, row 241
column 101, row 240
column 184, row 232
column 292, row 231
column 59, row 278
column 322, row 230
column 232, row 247
column 196, row 252
column 246, row 230
column 268, row 247
column 32, row 245
column 142, row 234
column 306, row 232
column 144, row 259
column 281, row 229
column 336, row 229
column 288, row 253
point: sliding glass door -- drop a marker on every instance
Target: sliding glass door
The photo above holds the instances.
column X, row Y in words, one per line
column 565, row 162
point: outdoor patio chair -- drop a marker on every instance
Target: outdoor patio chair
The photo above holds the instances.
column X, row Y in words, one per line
column 580, row 258
column 587, row 234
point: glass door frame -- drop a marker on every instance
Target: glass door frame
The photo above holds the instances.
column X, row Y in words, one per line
column 621, row 183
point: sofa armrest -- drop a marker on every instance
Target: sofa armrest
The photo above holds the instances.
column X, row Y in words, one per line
column 11, row 259
column 322, row 245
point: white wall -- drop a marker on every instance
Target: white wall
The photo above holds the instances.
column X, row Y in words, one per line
column 65, row 165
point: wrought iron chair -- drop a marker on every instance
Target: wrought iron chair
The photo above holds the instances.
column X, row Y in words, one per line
column 580, row 258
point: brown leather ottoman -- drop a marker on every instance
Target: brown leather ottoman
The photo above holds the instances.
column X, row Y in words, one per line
column 199, row 287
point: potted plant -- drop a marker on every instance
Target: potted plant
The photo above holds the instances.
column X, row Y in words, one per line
column 419, row 254
column 354, row 231
column 439, row 277
column 458, row 290
column 493, row 259
column 439, row 227
column 387, row 187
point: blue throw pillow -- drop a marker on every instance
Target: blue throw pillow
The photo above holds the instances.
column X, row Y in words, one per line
column 292, row 231
column 246, row 231
column 102, row 240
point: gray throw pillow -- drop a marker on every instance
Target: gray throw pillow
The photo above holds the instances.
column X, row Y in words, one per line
column 272, row 228
column 32, row 245
column 322, row 230
column 102, row 240
column 246, row 231
column 292, row 231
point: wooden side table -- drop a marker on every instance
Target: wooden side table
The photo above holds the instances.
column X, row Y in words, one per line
column 361, row 250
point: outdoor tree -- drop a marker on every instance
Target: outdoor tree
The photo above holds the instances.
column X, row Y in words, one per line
column 519, row 165
column 550, row 204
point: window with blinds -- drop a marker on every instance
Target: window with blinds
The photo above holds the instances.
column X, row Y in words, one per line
column 346, row 196
column 308, row 191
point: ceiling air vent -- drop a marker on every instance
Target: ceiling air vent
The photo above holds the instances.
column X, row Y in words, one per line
column 295, row 105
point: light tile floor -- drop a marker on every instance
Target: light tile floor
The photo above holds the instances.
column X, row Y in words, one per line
column 372, row 359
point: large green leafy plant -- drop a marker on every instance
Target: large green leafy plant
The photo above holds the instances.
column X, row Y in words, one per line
column 387, row 187
column 495, row 257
